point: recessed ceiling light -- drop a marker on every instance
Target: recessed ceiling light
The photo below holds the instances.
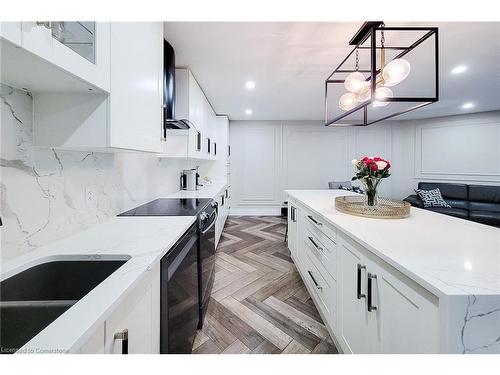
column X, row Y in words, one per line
column 459, row 69
column 250, row 85
column 468, row 105
column 248, row 112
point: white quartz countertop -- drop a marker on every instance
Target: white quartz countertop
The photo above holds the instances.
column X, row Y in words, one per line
column 144, row 239
column 205, row 191
column 446, row 255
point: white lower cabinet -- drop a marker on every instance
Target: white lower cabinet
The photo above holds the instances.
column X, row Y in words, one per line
column 324, row 290
column 357, row 327
column 138, row 314
column 292, row 237
column 95, row 344
column 368, row 305
column 407, row 315
column 223, row 199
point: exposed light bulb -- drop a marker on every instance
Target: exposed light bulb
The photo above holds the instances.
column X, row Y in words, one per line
column 354, row 82
column 365, row 93
column 348, row 101
column 248, row 112
column 395, row 72
column 382, row 93
column 468, row 105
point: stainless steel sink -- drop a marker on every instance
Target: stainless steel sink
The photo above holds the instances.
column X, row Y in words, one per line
column 32, row 299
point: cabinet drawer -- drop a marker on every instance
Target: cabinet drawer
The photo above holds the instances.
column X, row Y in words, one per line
column 323, row 289
column 323, row 250
column 317, row 225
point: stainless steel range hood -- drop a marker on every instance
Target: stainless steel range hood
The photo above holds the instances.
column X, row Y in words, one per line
column 170, row 121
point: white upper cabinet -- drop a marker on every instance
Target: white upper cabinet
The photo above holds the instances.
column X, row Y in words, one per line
column 87, row 55
column 135, row 103
column 56, row 56
column 11, row 31
column 222, row 138
column 191, row 104
column 129, row 118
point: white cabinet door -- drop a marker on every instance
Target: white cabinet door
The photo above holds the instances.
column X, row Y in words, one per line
column 355, row 324
column 136, row 85
column 95, row 344
column 393, row 313
column 323, row 288
column 133, row 315
column 196, row 110
column 293, row 236
column 11, row 31
column 407, row 317
column 139, row 314
column 222, row 138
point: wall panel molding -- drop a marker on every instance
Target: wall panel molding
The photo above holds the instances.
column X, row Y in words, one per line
column 458, row 149
column 306, row 155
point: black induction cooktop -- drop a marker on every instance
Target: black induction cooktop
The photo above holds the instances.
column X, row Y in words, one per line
column 170, row 207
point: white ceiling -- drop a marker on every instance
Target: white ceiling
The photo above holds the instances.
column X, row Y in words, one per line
column 290, row 61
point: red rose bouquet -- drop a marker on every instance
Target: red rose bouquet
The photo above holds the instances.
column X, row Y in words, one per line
column 370, row 171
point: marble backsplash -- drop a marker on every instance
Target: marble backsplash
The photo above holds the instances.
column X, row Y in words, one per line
column 43, row 192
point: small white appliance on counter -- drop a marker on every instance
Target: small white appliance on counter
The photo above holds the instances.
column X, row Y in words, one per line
column 190, row 179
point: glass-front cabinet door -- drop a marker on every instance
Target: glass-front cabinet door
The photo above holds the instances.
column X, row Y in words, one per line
column 81, row 48
column 77, row 35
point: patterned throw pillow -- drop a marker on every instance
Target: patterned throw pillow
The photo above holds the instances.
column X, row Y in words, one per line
column 357, row 189
column 432, row 198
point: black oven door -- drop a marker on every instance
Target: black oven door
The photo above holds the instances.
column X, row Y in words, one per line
column 206, row 256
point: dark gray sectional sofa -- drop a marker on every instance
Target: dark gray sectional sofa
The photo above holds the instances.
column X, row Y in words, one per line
column 480, row 203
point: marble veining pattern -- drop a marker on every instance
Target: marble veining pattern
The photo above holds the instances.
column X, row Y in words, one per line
column 43, row 191
column 144, row 240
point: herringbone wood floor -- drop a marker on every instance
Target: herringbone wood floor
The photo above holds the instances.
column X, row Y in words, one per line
column 259, row 303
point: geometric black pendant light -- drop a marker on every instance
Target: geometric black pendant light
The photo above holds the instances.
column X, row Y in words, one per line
column 376, row 82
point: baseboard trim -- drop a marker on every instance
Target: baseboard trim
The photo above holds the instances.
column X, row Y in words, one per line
column 255, row 211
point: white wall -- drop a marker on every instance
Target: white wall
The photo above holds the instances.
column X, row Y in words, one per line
column 268, row 157
column 43, row 191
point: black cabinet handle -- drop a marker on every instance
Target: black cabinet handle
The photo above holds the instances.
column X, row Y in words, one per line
column 314, row 280
column 198, row 141
column 359, row 295
column 292, row 212
column 314, row 220
column 370, row 292
column 315, row 244
column 123, row 335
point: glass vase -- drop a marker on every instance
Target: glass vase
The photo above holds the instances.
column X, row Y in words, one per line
column 370, row 187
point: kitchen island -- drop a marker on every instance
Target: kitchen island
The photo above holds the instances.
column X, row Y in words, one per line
column 427, row 283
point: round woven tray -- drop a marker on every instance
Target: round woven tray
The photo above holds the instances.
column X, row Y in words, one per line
column 385, row 209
